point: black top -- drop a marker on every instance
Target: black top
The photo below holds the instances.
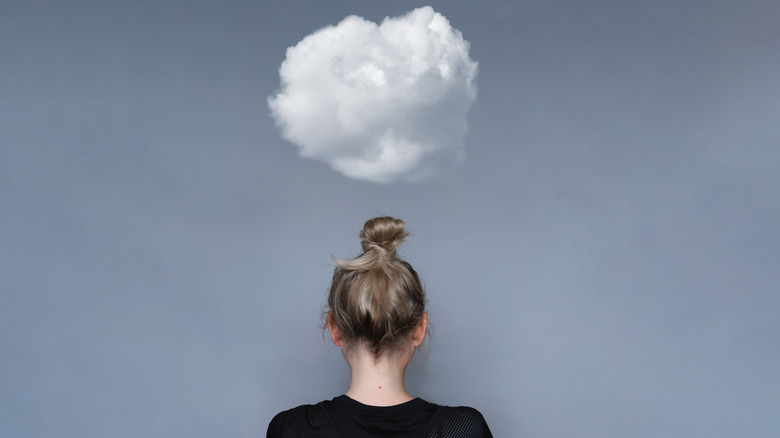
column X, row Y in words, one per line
column 344, row 417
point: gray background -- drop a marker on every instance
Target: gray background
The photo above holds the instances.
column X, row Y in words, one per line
column 604, row 263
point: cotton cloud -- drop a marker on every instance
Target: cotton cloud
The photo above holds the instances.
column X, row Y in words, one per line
column 379, row 103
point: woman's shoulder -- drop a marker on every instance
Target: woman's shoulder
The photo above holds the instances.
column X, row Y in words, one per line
column 307, row 420
column 463, row 421
column 466, row 412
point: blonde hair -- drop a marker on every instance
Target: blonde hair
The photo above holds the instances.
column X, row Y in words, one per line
column 377, row 298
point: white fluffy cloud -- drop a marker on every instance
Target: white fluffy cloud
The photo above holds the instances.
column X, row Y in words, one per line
column 379, row 103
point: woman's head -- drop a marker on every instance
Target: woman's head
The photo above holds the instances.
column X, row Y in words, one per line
column 376, row 300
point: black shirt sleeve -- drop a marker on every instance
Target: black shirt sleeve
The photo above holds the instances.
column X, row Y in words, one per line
column 275, row 427
column 464, row 422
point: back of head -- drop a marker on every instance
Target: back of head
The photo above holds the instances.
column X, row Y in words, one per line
column 377, row 299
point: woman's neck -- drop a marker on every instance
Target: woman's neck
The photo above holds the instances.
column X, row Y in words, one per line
column 377, row 382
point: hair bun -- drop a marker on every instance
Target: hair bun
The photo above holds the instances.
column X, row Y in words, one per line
column 384, row 232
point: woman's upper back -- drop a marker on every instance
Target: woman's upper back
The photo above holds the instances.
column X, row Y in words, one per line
column 343, row 417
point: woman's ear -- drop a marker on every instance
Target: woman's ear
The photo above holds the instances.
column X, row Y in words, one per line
column 419, row 332
column 333, row 329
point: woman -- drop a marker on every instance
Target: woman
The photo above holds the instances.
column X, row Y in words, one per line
column 376, row 315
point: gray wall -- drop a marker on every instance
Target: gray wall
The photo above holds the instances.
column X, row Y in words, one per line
column 602, row 264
